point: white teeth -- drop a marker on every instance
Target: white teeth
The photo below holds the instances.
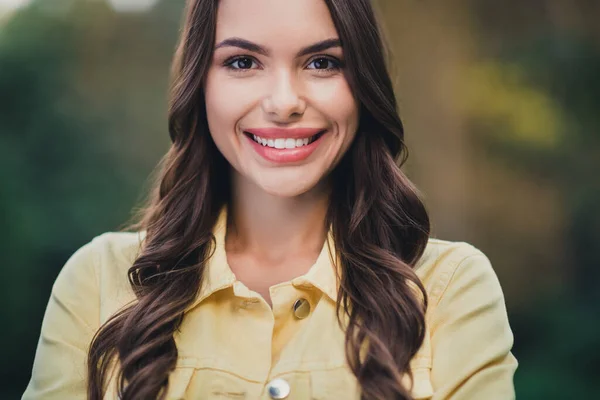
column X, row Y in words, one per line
column 283, row 143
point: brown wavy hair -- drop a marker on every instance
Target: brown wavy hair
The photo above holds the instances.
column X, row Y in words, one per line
column 380, row 226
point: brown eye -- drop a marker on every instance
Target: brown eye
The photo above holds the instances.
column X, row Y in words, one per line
column 239, row 63
column 325, row 64
column 322, row 63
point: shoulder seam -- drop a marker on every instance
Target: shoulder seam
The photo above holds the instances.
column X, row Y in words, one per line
column 478, row 253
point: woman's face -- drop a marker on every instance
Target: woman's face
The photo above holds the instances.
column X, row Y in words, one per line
column 265, row 80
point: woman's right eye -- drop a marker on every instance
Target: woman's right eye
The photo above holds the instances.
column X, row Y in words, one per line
column 239, row 64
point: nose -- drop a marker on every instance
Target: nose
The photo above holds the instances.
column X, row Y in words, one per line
column 284, row 99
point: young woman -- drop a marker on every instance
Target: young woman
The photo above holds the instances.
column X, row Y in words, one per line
column 284, row 253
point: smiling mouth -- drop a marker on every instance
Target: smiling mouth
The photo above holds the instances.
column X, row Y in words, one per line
column 284, row 143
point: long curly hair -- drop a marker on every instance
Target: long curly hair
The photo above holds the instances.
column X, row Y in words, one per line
column 380, row 226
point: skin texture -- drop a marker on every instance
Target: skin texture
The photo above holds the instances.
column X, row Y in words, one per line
column 277, row 229
column 278, row 90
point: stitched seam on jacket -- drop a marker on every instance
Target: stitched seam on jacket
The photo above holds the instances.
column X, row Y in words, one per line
column 458, row 265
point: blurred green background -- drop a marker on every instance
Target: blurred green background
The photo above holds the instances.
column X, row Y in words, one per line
column 500, row 101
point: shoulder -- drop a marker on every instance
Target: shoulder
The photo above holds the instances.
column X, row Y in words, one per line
column 468, row 345
column 117, row 249
column 99, row 269
column 108, row 253
column 446, row 263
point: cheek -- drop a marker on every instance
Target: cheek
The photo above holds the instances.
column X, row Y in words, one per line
column 225, row 104
column 344, row 109
column 338, row 103
column 221, row 115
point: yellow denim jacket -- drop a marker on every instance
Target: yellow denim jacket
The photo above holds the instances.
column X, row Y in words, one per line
column 232, row 345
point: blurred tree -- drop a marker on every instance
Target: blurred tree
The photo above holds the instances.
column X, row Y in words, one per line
column 535, row 107
column 82, row 123
column 54, row 184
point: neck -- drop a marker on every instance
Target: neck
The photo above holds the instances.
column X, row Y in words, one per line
column 275, row 228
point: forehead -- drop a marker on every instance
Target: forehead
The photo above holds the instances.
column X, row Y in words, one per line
column 278, row 24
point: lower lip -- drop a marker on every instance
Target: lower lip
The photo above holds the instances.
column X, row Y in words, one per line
column 286, row 155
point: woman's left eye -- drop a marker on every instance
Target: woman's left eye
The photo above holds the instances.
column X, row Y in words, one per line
column 324, row 61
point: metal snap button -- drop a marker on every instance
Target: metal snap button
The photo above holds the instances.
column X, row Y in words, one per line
column 278, row 389
column 301, row 308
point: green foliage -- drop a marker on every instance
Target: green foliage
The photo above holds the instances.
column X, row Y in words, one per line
column 68, row 173
column 538, row 104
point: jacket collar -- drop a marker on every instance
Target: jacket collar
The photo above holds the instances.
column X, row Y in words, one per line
column 218, row 275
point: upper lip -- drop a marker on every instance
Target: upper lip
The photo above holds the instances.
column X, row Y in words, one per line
column 294, row 133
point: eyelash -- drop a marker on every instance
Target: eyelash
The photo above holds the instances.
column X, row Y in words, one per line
column 337, row 64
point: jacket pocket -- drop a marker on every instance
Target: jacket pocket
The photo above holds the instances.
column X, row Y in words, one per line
column 331, row 384
column 180, row 378
column 340, row 383
column 196, row 379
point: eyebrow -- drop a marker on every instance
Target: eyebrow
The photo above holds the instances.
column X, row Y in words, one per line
column 256, row 48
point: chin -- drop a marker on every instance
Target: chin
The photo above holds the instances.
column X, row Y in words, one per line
column 286, row 186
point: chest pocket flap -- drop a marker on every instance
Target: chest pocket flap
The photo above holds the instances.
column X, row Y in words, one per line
column 180, row 378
